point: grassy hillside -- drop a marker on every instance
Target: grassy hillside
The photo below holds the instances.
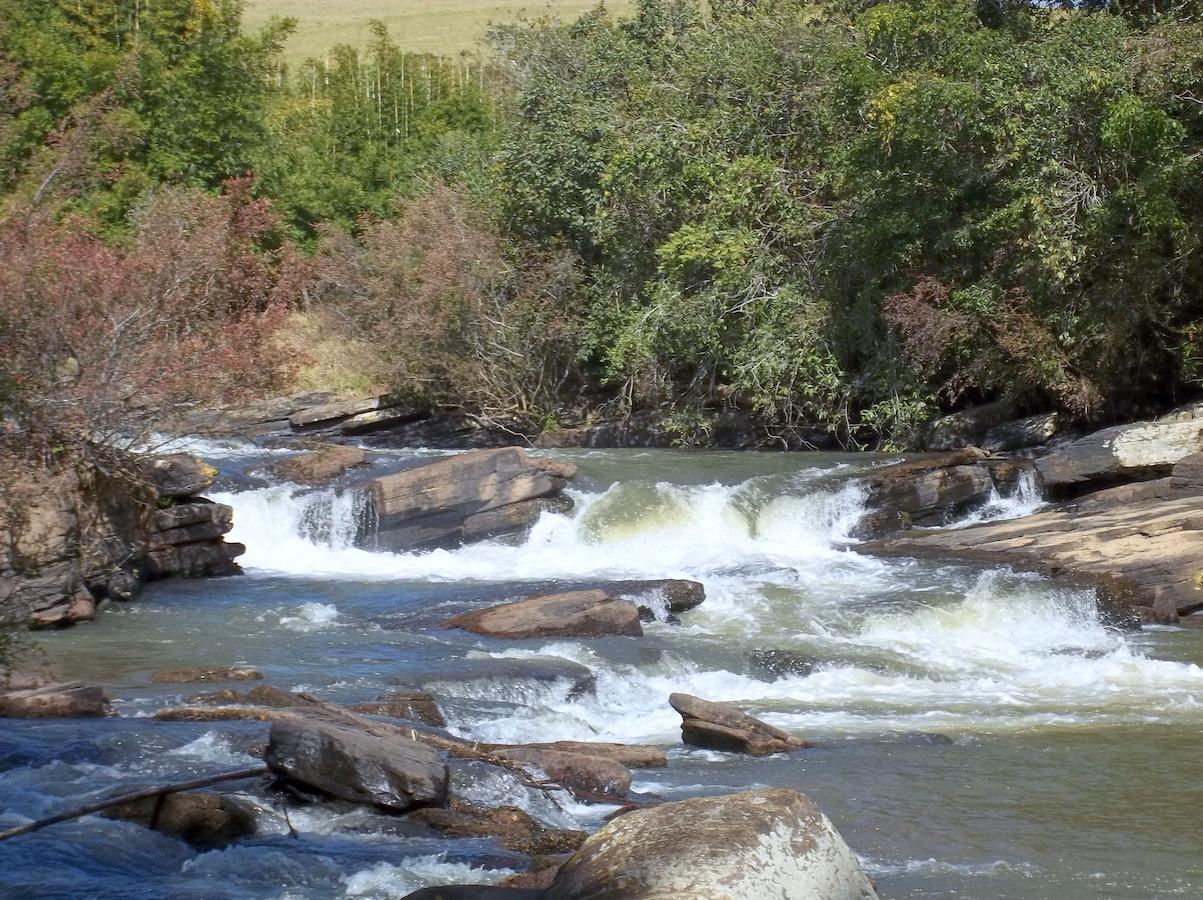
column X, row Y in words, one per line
column 436, row 26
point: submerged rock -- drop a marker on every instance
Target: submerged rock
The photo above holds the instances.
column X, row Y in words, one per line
column 630, row 755
column 197, row 674
column 202, row 819
column 674, row 595
column 783, row 663
column 572, row 614
column 515, row 830
column 71, row 699
column 337, row 759
column 444, row 501
column 765, row 843
column 717, row 726
column 416, row 705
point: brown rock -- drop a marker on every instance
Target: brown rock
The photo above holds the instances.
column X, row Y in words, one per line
column 319, row 466
column 589, row 776
column 223, row 713
column 189, row 523
column 880, row 522
column 199, row 674
column 630, row 755
column 204, row 559
column 80, row 607
column 202, row 819
column 69, row 700
column 930, row 487
column 718, row 726
column 418, row 706
column 572, row 614
column 515, row 829
column 534, row 880
column 179, row 474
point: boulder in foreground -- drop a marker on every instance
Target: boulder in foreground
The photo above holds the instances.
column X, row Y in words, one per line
column 572, row 614
column 765, row 843
column 717, row 726
column 391, row 771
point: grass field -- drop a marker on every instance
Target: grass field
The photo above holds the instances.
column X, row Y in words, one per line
column 436, row 26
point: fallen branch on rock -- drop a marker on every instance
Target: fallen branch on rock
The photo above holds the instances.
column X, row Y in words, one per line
column 99, row 805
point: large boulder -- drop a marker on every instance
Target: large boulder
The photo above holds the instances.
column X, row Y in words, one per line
column 436, row 503
column 968, row 427
column 764, row 843
column 388, row 771
column 572, row 614
column 718, row 726
column 202, row 819
column 928, row 488
column 69, row 699
column 1137, row 451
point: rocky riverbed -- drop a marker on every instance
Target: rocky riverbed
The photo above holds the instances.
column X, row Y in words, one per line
column 713, row 616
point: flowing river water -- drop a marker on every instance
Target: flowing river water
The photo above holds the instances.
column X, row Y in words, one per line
column 978, row 732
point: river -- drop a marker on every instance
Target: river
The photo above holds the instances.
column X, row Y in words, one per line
column 978, row 732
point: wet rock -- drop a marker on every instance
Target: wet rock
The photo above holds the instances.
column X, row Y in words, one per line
column 1140, row 450
column 572, row 614
column 878, row 523
column 387, row 771
column 223, row 696
column 770, row 842
column 179, row 474
column 1033, row 431
column 79, row 607
column 783, row 663
column 671, row 596
column 931, row 487
column 592, row 777
column 717, row 726
column 198, row 674
column 512, row 517
column 320, row 466
column 416, row 705
column 67, row 699
column 208, row 559
column 430, row 504
column 968, row 427
column 515, row 830
column 202, row 819
column 534, row 880
column 632, row 756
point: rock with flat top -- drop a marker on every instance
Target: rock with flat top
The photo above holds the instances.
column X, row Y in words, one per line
column 572, row 614
column 416, row 705
column 1140, row 450
column 433, row 504
column 633, row 756
column 197, row 674
column 66, row 700
column 767, row 843
column 319, row 466
column 385, row 770
column 718, row 726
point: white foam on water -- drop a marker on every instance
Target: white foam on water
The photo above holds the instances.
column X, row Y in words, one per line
column 212, row 747
column 1023, row 500
column 385, row 881
column 308, row 617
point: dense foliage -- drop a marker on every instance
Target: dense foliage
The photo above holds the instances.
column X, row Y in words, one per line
column 846, row 216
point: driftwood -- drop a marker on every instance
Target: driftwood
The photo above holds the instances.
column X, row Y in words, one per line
column 143, row 794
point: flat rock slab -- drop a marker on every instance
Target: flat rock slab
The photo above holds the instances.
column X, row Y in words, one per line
column 572, row 614
column 1147, row 535
column 390, row 771
column 319, row 466
column 436, row 503
column 201, row 674
column 768, row 843
column 719, row 726
column 632, row 756
column 66, row 700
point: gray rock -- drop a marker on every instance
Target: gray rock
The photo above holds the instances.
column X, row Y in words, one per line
column 765, row 843
column 968, row 427
column 1033, row 431
column 387, row 771
column 179, row 474
column 431, row 505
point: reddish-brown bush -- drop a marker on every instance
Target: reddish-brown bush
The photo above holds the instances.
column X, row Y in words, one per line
column 458, row 316
column 100, row 342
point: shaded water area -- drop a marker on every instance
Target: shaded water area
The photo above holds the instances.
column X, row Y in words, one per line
column 978, row 732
